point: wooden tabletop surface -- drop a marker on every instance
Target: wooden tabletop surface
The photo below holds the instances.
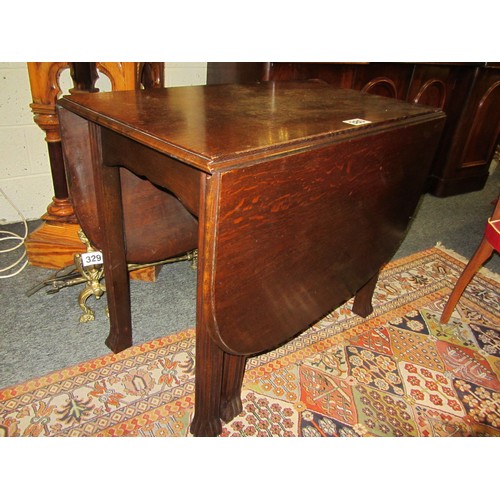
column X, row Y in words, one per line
column 212, row 126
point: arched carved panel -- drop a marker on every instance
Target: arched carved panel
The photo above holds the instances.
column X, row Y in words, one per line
column 122, row 75
column 432, row 93
column 485, row 129
column 129, row 76
column 45, row 89
column 84, row 76
column 381, row 86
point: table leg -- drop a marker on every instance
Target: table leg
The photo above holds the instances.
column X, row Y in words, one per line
column 108, row 199
column 362, row 305
column 232, row 381
column 208, row 376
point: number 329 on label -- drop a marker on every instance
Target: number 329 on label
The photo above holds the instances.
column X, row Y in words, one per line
column 92, row 259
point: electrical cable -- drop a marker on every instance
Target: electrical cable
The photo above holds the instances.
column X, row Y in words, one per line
column 15, row 237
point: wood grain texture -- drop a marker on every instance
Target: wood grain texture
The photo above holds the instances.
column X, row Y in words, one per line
column 300, row 235
column 214, row 127
column 156, row 224
column 464, row 90
column 53, row 246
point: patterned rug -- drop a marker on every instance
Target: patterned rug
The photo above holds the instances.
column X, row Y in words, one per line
column 398, row 372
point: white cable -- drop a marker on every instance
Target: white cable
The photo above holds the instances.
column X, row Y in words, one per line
column 15, row 237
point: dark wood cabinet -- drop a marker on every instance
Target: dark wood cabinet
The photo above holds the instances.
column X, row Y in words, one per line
column 469, row 93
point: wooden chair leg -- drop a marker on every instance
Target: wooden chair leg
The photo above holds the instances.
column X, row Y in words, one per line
column 482, row 254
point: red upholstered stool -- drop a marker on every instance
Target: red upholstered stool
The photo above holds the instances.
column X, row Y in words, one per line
column 492, row 233
column 489, row 244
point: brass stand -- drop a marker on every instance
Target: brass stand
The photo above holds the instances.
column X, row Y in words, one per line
column 93, row 275
column 93, row 286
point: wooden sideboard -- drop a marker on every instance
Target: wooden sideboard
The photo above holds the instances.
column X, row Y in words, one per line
column 469, row 94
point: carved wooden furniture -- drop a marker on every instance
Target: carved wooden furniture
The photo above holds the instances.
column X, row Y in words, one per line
column 54, row 244
column 469, row 93
column 301, row 193
column 489, row 244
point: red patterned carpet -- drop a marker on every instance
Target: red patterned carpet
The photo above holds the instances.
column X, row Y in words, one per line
column 397, row 373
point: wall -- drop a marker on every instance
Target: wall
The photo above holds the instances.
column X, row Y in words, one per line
column 24, row 163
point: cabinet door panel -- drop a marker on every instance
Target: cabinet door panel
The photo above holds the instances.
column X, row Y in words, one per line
column 385, row 79
column 485, row 123
column 382, row 86
column 432, row 93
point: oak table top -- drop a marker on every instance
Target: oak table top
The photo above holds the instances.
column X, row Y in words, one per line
column 213, row 126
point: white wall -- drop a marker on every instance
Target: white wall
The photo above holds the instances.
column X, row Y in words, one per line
column 24, row 163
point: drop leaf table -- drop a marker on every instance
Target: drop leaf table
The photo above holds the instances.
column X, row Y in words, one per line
column 296, row 194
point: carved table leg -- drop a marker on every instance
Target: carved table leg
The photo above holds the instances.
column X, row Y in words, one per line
column 362, row 305
column 232, row 381
column 108, row 196
column 208, row 376
column 209, row 356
